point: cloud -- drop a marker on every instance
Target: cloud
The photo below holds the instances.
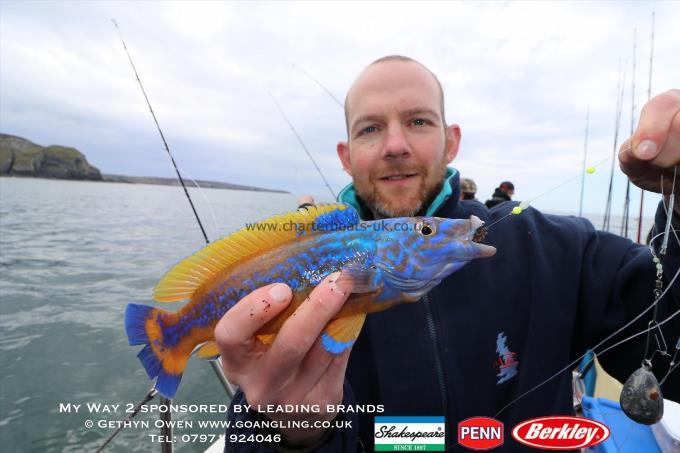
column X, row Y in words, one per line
column 518, row 79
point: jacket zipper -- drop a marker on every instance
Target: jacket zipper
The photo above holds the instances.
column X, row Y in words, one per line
column 438, row 365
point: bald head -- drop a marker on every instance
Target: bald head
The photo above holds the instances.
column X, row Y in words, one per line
column 392, row 59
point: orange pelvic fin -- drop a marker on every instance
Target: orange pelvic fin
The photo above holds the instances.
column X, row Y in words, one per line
column 341, row 333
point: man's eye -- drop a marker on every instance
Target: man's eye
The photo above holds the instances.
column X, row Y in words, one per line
column 369, row 130
column 418, row 122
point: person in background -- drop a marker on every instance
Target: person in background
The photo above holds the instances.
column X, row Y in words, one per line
column 468, row 189
column 504, row 192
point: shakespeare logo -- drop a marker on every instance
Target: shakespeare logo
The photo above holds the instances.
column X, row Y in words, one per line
column 409, row 434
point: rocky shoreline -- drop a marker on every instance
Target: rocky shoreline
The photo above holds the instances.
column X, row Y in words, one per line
column 21, row 157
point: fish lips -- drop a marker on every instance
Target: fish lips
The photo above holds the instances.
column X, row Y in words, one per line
column 480, row 250
column 484, row 251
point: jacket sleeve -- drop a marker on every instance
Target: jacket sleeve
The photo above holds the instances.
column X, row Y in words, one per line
column 244, row 426
column 618, row 282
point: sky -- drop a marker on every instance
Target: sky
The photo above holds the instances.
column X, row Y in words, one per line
column 518, row 77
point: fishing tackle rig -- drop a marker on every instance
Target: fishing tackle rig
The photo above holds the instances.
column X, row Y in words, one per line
column 641, row 398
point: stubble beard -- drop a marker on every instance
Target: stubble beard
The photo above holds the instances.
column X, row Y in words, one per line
column 383, row 206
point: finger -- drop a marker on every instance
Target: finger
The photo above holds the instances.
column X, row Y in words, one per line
column 314, row 365
column 235, row 332
column 332, row 381
column 300, row 331
column 654, row 126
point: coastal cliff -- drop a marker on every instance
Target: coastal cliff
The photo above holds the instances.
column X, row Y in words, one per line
column 21, row 157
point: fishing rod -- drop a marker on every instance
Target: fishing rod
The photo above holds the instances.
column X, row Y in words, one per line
column 649, row 95
column 620, row 89
column 165, row 143
column 583, row 170
column 626, row 203
column 166, row 429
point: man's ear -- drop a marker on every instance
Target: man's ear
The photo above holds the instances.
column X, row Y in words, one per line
column 453, row 135
column 343, row 154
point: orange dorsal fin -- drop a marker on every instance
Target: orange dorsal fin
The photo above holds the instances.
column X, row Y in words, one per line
column 182, row 281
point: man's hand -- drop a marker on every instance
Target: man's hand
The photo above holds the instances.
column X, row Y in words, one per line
column 295, row 368
column 654, row 148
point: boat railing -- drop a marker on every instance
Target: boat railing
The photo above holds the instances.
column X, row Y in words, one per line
column 166, row 442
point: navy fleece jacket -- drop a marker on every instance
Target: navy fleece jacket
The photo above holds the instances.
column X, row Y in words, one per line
column 555, row 288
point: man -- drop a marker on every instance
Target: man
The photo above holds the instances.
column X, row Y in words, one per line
column 468, row 189
column 504, row 192
column 555, row 287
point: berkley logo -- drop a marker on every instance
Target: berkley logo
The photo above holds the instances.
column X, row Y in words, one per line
column 560, row 432
column 480, row 433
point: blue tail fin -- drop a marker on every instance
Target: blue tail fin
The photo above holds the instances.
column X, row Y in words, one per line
column 135, row 323
column 136, row 317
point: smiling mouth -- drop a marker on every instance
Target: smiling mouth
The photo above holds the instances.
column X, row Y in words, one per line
column 399, row 177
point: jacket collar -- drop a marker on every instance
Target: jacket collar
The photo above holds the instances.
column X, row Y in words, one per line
column 450, row 190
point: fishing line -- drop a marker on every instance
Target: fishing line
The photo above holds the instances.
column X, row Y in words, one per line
column 669, row 209
column 572, row 364
column 642, row 332
column 205, row 198
column 165, row 143
column 149, row 396
column 650, row 327
column 525, row 204
column 673, row 365
column 342, row 106
column 669, row 213
column 303, row 145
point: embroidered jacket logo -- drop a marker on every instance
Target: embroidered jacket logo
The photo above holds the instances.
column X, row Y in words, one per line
column 560, row 432
column 507, row 362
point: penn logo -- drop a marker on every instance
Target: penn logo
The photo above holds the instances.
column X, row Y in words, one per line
column 560, row 432
column 480, row 433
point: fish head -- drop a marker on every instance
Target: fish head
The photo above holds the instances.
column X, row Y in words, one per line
column 416, row 253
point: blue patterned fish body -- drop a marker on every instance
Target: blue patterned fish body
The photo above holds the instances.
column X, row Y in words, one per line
column 390, row 261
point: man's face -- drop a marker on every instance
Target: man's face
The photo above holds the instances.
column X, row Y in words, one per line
column 398, row 146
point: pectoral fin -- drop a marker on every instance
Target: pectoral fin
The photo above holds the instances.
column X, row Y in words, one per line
column 341, row 334
column 365, row 279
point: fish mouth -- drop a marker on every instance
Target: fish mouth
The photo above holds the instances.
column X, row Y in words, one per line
column 484, row 250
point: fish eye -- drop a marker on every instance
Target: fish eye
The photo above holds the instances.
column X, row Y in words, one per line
column 424, row 228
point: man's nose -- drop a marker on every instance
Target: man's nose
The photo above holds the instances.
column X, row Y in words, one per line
column 396, row 143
